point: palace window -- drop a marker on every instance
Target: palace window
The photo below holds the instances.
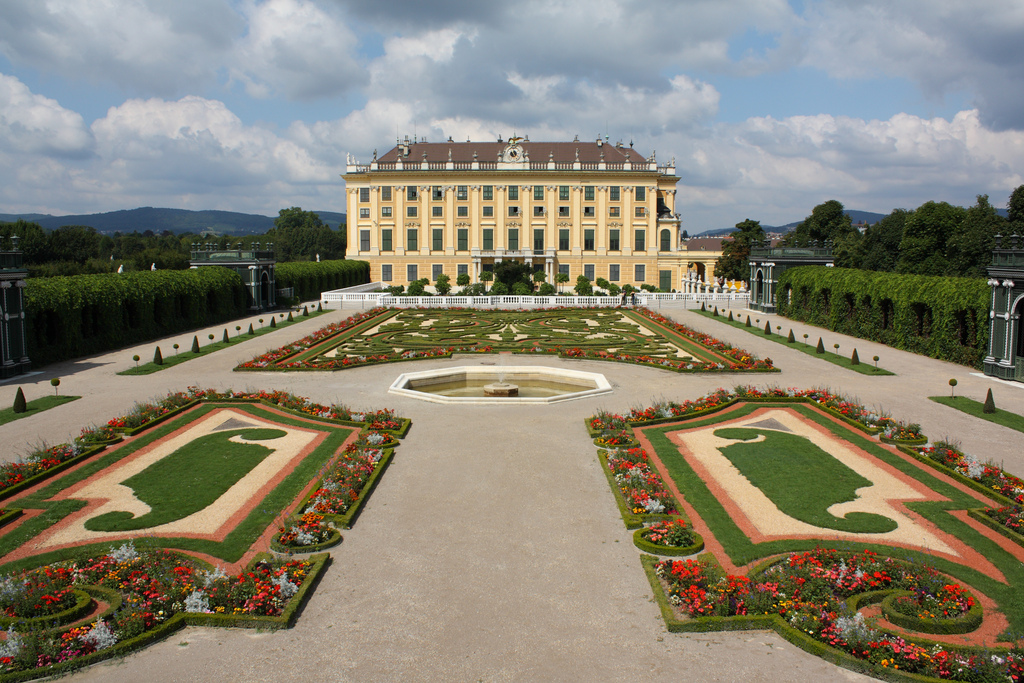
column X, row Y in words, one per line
column 385, row 240
column 513, row 239
column 488, row 239
column 462, row 211
column 613, row 211
column 563, row 239
column 437, row 193
column 488, row 212
column 461, row 269
column 588, row 271
column 437, row 211
column 538, row 193
column 385, row 272
column 563, row 193
column 538, row 211
column 462, row 193
column 411, row 211
column 364, row 240
column 538, row 240
column 513, row 211
column 563, row 269
column 640, row 192
column 588, row 240
column 385, row 193
column 640, row 211
column 613, row 240
column 385, row 211
column 438, row 239
column 640, row 240
column 488, row 192
column 412, row 242
column 613, row 272
column 639, row 272
column 435, row 270
column 411, row 194
column 588, row 193
column 364, row 194
column 613, row 193
column 588, row 212
column 364, row 212
column 412, row 272
column 463, row 239
column 513, row 193
column 563, row 212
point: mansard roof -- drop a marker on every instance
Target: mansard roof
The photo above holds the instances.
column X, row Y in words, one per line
column 559, row 152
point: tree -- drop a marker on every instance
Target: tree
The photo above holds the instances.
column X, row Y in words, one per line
column 462, row 280
column 300, row 235
column 561, row 278
column 880, row 247
column 583, row 286
column 485, row 277
column 734, row 263
column 925, row 234
column 1015, row 209
column 969, row 249
column 511, row 272
column 539, row 276
column 20, row 405
column 443, row 284
column 827, row 222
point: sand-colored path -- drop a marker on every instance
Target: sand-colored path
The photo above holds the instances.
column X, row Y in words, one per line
column 492, row 549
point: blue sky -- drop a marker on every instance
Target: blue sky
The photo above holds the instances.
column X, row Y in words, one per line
column 768, row 107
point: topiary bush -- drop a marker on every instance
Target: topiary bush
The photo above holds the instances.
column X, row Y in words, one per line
column 990, row 405
column 195, row 344
column 273, row 321
column 767, row 328
column 821, row 346
column 250, row 329
column 854, row 358
column 225, row 337
column 791, row 338
column 158, row 357
column 20, row 405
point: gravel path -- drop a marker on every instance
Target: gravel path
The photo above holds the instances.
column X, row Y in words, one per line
column 492, row 549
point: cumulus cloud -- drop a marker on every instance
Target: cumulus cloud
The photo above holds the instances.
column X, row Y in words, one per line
column 140, row 45
column 297, row 48
column 33, row 124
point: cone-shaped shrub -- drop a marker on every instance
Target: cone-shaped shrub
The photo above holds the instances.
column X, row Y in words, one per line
column 20, row 406
column 821, row 346
column 990, row 404
column 730, row 316
column 715, row 312
column 305, row 311
column 319, row 308
column 791, row 339
column 854, row 359
column 225, row 337
column 273, row 321
column 702, row 306
column 195, row 344
column 250, row 329
column 290, row 318
column 767, row 328
column 158, row 357
column 748, row 321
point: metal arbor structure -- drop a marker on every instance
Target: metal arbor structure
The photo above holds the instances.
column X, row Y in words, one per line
column 13, row 342
column 254, row 265
column 1005, row 357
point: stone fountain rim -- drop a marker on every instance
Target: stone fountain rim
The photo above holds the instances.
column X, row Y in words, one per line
column 602, row 385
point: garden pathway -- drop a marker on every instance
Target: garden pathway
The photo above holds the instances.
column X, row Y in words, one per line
column 492, row 549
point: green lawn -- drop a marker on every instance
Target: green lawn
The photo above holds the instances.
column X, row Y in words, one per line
column 807, row 346
column 36, row 406
column 975, row 408
column 171, row 358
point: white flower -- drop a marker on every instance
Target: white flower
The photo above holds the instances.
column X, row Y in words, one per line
column 11, row 646
column 100, row 636
column 197, row 602
column 126, row 553
column 214, row 575
column 288, row 589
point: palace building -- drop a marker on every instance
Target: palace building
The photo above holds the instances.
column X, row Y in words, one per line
column 580, row 208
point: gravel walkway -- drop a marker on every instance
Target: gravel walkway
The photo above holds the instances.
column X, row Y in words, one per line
column 492, row 549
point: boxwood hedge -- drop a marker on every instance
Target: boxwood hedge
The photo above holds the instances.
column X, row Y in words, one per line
column 941, row 317
column 309, row 278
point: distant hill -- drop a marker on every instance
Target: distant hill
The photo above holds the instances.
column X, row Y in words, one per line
column 176, row 221
column 856, row 216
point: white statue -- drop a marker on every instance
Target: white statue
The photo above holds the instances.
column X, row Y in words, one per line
column 120, row 268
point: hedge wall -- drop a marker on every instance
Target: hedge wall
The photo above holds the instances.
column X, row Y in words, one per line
column 941, row 317
column 309, row 278
column 79, row 315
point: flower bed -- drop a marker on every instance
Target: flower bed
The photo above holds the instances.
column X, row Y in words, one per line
column 310, row 533
column 670, row 537
column 341, row 491
column 947, row 609
column 156, row 588
column 40, row 464
column 809, row 593
column 639, row 491
column 897, row 432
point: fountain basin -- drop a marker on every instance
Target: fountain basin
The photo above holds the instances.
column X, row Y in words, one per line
column 470, row 384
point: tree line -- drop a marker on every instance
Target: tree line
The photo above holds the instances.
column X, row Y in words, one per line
column 936, row 238
column 297, row 235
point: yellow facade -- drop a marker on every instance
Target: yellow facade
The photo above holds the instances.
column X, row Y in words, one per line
column 589, row 209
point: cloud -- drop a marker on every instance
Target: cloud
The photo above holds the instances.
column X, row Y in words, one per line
column 144, row 46
column 295, row 48
column 33, row 124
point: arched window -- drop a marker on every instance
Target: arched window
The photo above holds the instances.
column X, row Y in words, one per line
column 666, row 241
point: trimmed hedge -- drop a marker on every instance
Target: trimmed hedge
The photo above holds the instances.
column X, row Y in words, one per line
column 68, row 317
column 309, row 278
column 940, row 317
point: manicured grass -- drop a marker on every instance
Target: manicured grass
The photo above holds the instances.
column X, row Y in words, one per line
column 789, row 470
column 171, row 359
column 191, row 478
column 865, row 367
column 976, row 408
column 36, row 406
